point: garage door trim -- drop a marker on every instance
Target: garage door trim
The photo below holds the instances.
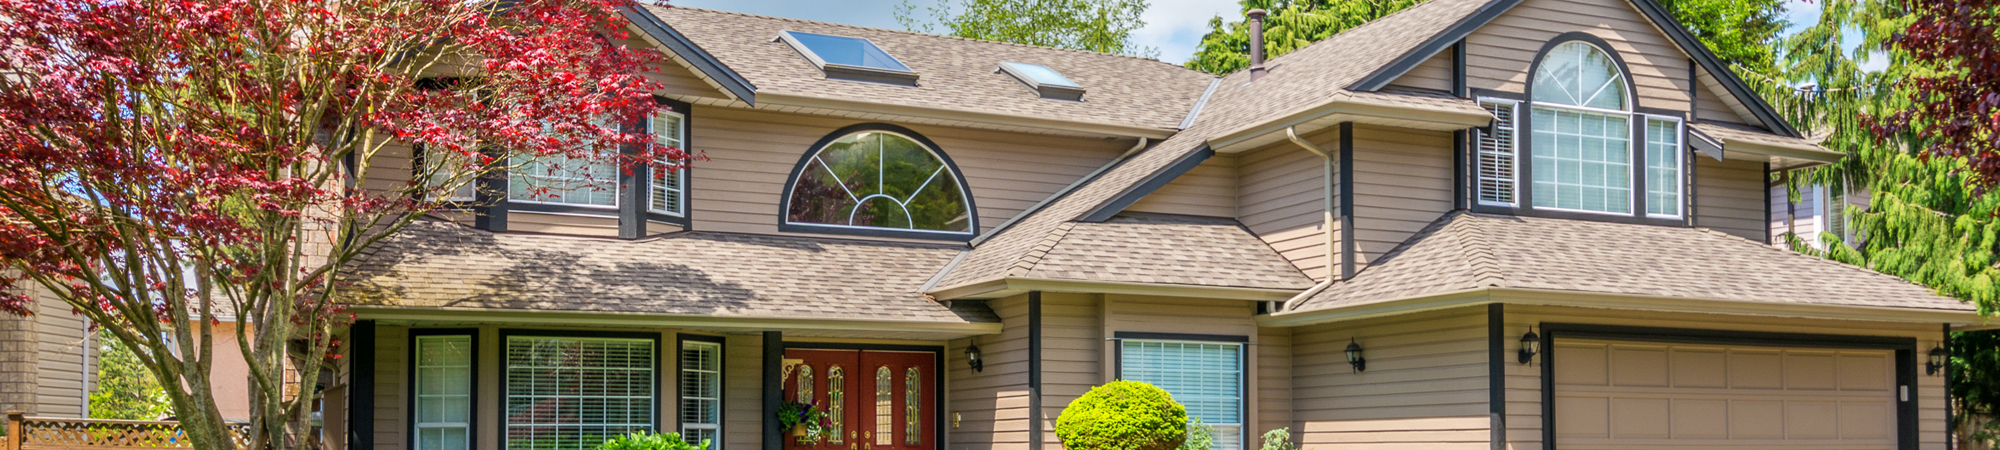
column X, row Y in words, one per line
column 1905, row 347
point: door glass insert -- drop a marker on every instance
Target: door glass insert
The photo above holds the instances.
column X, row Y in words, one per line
column 885, row 415
column 836, row 404
column 912, row 397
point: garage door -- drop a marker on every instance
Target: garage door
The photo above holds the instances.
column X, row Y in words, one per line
column 1637, row 395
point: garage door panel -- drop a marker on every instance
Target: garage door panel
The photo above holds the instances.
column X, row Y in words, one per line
column 1756, row 419
column 1700, row 419
column 1700, row 368
column 1809, row 370
column 1633, row 365
column 1632, row 395
column 1756, row 369
column 1581, row 363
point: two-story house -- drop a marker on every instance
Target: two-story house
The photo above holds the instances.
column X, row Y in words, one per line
column 1470, row 224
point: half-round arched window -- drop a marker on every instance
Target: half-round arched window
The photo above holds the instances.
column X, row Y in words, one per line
column 1576, row 73
column 877, row 179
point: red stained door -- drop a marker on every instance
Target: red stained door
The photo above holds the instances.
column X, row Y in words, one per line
column 875, row 400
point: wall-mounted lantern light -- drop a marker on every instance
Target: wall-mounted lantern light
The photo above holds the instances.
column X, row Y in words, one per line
column 1354, row 356
column 1936, row 363
column 972, row 357
column 1531, row 344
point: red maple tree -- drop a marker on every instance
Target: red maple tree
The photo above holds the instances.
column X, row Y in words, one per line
column 1956, row 96
column 166, row 165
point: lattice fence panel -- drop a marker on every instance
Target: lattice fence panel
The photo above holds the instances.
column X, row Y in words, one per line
column 77, row 434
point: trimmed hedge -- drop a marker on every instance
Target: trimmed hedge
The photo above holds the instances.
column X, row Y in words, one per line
column 1123, row 415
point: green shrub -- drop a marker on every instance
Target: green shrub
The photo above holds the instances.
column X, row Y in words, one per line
column 1279, row 439
column 1123, row 415
column 649, row 441
column 1200, row 436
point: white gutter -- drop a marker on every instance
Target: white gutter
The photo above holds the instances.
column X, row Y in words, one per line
column 1326, row 191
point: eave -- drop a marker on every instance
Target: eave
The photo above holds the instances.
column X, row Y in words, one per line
column 769, row 99
column 1960, row 320
column 1019, row 285
column 651, row 320
column 1347, row 108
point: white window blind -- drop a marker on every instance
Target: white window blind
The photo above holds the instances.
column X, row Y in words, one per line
column 443, row 392
column 669, row 187
column 1663, row 167
column 1497, row 155
column 573, row 393
column 1206, row 377
column 701, row 393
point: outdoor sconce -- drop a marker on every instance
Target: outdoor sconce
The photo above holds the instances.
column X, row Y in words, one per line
column 1531, row 344
column 1354, row 356
column 972, row 358
column 1936, row 362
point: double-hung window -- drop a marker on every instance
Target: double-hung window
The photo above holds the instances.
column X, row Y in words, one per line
column 1204, row 376
column 669, row 187
column 701, row 392
column 565, row 392
column 1587, row 150
column 442, row 392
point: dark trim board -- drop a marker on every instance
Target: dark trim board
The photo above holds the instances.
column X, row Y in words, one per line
column 774, row 389
column 1905, row 348
column 1035, row 438
column 1347, row 228
column 410, row 386
column 785, row 201
column 1234, row 339
column 361, row 396
column 1159, row 179
column 1496, row 373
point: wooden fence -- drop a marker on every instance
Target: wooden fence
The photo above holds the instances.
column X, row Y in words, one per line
column 48, row 433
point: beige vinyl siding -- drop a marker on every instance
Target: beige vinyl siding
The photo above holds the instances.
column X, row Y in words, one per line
column 1208, row 190
column 1709, row 106
column 61, row 377
column 742, row 391
column 392, row 398
column 1729, row 197
column 992, row 404
column 751, row 154
column 1272, row 348
column 1498, row 55
column 1072, row 352
column 1524, row 395
column 1402, row 183
column 1434, row 74
column 1425, row 387
column 676, row 80
column 1282, row 192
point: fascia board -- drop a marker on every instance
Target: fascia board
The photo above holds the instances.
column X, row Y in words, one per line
column 650, row 320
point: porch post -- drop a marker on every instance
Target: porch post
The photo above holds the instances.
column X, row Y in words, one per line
column 361, row 390
column 774, row 388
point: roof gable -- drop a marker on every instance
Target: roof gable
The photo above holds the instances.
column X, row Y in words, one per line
column 1712, row 66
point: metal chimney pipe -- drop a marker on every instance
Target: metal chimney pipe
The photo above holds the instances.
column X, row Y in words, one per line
column 1256, row 44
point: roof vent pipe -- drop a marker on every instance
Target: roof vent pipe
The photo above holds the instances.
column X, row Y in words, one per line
column 1256, row 44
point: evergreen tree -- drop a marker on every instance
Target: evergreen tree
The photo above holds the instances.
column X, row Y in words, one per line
column 126, row 389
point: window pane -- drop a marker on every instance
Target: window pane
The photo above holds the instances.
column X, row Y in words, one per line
column 573, row 393
column 443, row 392
column 668, row 187
column 836, row 404
column 701, row 392
column 449, row 168
column 885, row 407
column 912, row 407
column 1496, row 175
column 879, row 180
column 1205, row 377
column 848, row 51
column 565, row 180
column 1579, row 74
column 1580, row 161
column 1663, row 168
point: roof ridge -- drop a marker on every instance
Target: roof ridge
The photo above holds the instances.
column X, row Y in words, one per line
column 1478, row 250
column 837, row 24
column 1364, row 26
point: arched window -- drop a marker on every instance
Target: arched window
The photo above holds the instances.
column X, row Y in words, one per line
column 879, row 180
column 1582, row 148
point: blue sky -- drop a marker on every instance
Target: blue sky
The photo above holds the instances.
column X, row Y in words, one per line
column 1173, row 26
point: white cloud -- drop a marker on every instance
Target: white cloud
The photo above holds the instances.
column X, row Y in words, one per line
column 1176, row 26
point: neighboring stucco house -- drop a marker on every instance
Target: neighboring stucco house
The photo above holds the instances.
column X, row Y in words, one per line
column 1470, row 224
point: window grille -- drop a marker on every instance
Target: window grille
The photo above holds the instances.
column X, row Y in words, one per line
column 444, row 392
column 885, row 407
column 669, row 187
column 568, row 393
column 1206, row 377
column 1663, row 167
column 912, row 399
column 701, row 393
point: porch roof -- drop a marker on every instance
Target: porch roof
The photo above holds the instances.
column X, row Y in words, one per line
column 1167, row 249
column 437, row 264
column 1466, row 251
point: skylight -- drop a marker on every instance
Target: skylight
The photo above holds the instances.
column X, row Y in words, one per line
column 849, row 58
column 1045, row 81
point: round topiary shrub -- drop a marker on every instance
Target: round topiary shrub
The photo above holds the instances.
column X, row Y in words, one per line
column 1123, row 415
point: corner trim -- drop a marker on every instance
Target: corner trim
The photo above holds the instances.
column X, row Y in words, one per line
column 1348, row 252
column 1159, row 179
column 1496, row 373
column 361, row 397
column 774, row 389
column 1035, row 413
column 693, row 54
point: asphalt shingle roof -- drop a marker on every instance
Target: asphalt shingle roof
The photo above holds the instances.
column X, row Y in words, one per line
column 1298, row 80
column 440, row 264
column 1167, row 249
column 1464, row 251
column 954, row 73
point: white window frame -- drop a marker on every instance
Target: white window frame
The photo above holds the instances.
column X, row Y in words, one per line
column 1243, row 433
column 1631, row 167
column 417, row 395
column 1513, row 154
column 679, row 140
column 1680, row 164
column 684, row 400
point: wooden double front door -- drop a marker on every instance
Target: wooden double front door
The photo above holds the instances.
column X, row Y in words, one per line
column 875, row 400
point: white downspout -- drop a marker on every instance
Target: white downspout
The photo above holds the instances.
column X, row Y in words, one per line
column 1326, row 175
